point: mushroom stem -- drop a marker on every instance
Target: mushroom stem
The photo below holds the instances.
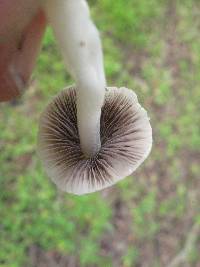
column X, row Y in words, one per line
column 80, row 46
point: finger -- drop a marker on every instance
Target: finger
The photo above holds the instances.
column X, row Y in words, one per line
column 26, row 57
column 17, row 60
column 8, row 86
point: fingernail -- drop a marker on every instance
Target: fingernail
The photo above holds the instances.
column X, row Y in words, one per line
column 17, row 78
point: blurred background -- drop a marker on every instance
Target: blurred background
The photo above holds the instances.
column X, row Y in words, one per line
column 150, row 219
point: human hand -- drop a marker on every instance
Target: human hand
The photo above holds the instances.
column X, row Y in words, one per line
column 22, row 25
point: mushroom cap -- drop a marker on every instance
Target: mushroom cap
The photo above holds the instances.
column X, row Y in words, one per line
column 126, row 141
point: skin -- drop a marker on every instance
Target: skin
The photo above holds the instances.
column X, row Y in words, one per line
column 22, row 25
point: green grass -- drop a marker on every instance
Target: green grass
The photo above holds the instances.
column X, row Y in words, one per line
column 160, row 202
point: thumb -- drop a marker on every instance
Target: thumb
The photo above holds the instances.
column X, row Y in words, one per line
column 17, row 60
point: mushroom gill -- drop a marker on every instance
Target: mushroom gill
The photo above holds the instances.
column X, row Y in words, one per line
column 126, row 140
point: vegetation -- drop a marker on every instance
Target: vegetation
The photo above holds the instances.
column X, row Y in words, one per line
column 153, row 217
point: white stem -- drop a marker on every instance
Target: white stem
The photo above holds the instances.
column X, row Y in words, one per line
column 80, row 46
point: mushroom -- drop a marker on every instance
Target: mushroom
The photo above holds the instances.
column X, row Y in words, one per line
column 80, row 46
column 126, row 140
column 90, row 136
